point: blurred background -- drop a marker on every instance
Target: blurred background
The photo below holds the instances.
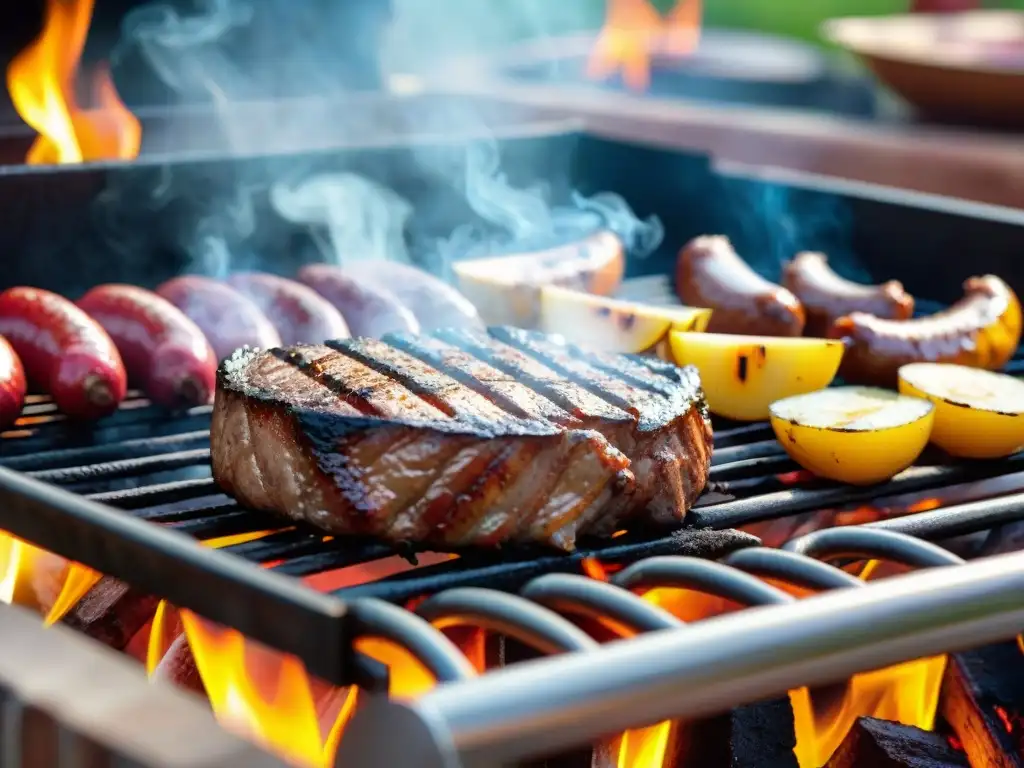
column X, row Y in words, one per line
column 497, row 21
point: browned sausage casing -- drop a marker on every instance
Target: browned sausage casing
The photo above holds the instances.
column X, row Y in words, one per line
column 981, row 330
column 709, row 273
column 826, row 296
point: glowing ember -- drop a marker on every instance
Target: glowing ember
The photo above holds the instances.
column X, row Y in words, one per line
column 42, row 80
column 634, row 31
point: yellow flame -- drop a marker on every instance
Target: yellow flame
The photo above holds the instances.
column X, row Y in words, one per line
column 77, row 583
column 41, row 82
column 906, row 693
column 277, row 712
column 645, row 747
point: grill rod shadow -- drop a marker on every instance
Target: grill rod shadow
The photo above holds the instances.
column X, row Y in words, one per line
column 548, row 705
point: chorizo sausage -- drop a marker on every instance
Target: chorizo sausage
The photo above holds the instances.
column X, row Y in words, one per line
column 163, row 351
column 709, row 273
column 368, row 309
column 981, row 330
column 13, row 386
column 65, row 352
column 826, row 296
column 227, row 318
column 434, row 303
column 300, row 314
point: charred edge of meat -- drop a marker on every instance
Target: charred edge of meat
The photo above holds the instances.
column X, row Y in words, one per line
column 231, row 378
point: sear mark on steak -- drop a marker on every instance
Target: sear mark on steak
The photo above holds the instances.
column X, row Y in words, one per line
column 460, row 437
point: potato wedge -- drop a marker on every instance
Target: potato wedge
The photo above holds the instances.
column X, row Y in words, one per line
column 743, row 375
column 857, row 435
column 506, row 289
column 612, row 325
column 978, row 414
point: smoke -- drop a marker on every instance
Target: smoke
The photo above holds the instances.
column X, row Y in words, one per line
column 229, row 52
column 775, row 221
column 364, row 220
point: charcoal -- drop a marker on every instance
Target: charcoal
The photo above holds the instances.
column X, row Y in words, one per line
column 759, row 735
column 112, row 612
column 873, row 743
column 983, row 702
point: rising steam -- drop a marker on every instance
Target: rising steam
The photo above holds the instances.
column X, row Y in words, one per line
column 231, row 51
column 363, row 219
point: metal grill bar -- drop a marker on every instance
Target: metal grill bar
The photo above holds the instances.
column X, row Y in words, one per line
column 544, row 706
column 257, row 603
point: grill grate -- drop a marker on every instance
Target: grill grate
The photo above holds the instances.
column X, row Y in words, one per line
column 155, row 468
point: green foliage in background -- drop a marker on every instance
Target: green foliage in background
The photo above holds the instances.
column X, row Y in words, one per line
column 492, row 21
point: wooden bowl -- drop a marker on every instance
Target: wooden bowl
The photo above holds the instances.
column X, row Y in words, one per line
column 966, row 67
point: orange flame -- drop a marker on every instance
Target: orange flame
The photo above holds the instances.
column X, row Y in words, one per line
column 634, row 31
column 904, row 693
column 42, row 79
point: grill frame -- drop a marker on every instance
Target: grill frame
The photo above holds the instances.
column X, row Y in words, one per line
column 270, row 607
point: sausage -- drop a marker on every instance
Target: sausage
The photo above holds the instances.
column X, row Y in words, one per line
column 164, row 352
column 433, row 302
column 826, row 296
column 65, row 352
column 981, row 330
column 229, row 319
column 300, row 314
column 368, row 309
column 13, row 386
column 709, row 273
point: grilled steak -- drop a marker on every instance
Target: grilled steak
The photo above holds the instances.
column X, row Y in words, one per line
column 460, row 437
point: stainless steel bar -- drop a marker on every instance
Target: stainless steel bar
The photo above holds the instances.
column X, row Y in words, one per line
column 541, row 707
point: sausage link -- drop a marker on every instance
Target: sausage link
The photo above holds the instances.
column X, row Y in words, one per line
column 300, row 314
column 12, row 384
column 227, row 318
column 164, row 352
column 709, row 273
column 981, row 330
column 826, row 296
column 65, row 352
column 368, row 309
column 434, row 302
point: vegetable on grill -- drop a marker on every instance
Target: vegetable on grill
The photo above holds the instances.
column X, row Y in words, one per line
column 978, row 414
column 857, row 435
column 743, row 375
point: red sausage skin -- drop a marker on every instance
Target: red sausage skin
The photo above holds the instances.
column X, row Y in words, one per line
column 228, row 318
column 64, row 351
column 163, row 351
column 12, row 384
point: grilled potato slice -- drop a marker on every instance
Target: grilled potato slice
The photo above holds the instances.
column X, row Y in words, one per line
column 857, row 435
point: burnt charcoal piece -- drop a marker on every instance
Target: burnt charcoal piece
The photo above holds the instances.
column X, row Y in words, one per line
column 111, row 612
column 875, row 743
column 983, row 701
column 759, row 735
